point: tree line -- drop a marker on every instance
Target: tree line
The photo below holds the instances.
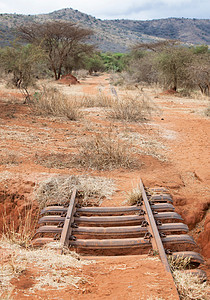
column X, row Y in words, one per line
column 57, row 48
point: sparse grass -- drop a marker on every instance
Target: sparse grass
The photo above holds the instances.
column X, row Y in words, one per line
column 50, row 101
column 9, row 269
column 21, row 232
column 53, row 270
column 98, row 151
column 58, row 189
column 55, row 160
column 99, row 100
column 190, row 287
column 131, row 108
column 145, row 144
column 178, row 262
column 134, row 197
column 102, row 152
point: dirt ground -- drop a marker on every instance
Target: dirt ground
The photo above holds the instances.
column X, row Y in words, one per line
column 181, row 134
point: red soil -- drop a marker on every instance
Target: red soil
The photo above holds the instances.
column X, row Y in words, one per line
column 68, row 79
column 186, row 175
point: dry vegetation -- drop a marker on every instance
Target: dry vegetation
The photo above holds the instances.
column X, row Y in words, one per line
column 58, row 189
column 103, row 152
column 98, row 151
column 10, row 159
column 131, row 108
column 144, row 144
column 178, row 262
column 53, row 270
column 99, row 100
column 190, row 286
column 22, row 231
column 50, row 101
column 134, row 197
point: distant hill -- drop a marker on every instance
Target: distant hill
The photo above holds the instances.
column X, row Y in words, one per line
column 116, row 35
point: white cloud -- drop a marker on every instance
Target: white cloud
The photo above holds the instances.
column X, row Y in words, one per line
column 137, row 9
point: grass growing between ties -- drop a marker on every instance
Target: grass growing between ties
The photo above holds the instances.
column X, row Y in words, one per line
column 189, row 286
column 178, row 262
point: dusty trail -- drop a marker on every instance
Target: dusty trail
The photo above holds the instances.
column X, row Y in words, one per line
column 186, row 174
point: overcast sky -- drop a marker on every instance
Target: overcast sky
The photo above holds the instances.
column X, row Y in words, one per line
column 114, row 9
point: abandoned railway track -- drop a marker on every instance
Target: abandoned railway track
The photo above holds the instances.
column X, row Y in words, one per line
column 150, row 225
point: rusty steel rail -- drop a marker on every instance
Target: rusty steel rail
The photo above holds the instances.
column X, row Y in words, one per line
column 155, row 236
column 64, row 224
column 67, row 228
column 150, row 224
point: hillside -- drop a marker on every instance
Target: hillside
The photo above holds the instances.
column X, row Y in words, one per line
column 115, row 35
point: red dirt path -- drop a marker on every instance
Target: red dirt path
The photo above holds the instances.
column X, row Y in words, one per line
column 186, row 174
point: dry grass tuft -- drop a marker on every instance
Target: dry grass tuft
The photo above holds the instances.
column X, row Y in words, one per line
column 99, row 100
column 134, row 197
column 105, row 152
column 22, row 231
column 55, row 160
column 132, row 108
column 178, row 262
column 53, row 270
column 190, row 287
column 50, row 101
column 9, row 268
column 145, row 144
column 57, row 190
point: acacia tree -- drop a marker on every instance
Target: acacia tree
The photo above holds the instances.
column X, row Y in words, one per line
column 94, row 63
column 173, row 64
column 24, row 63
column 77, row 59
column 59, row 39
column 199, row 73
column 199, row 70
